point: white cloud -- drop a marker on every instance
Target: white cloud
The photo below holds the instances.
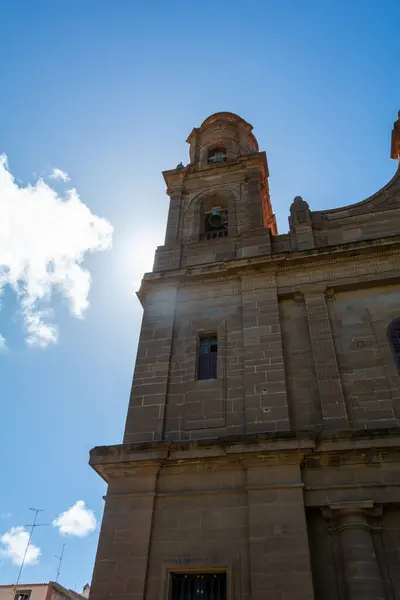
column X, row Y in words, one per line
column 3, row 347
column 14, row 545
column 77, row 520
column 59, row 174
column 43, row 241
column 5, row 515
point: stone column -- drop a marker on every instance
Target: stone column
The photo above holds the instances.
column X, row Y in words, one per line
column 352, row 521
column 266, row 405
column 328, row 376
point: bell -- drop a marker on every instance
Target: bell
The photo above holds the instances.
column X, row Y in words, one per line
column 215, row 219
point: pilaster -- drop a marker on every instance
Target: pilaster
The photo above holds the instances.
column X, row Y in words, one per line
column 332, row 399
column 255, row 237
column 266, row 405
column 278, row 542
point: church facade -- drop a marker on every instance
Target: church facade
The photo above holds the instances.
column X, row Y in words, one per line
column 261, row 454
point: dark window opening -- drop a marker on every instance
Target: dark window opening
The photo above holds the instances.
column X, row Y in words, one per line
column 22, row 595
column 216, row 223
column 393, row 333
column 208, row 355
column 198, row 586
column 216, row 155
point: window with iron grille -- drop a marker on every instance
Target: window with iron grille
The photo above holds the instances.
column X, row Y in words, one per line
column 22, row 595
column 393, row 333
column 198, row 586
column 208, row 354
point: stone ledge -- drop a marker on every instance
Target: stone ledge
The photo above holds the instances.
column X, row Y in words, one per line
column 261, row 265
column 108, row 460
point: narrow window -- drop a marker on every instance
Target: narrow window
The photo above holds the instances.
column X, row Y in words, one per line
column 216, row 155
column 198, row 586
column 393, row 333
column 22, row 595
column 208, row 353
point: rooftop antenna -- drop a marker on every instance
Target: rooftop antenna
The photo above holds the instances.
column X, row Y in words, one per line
column 32, row 526
column 59, row 561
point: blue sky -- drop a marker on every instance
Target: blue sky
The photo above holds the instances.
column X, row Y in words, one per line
column 108, row 91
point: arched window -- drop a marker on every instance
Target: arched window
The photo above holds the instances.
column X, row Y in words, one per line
column 393, row 333
column 216, row 155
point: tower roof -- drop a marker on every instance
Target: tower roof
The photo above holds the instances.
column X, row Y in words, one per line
column 224, row 116
column 222, row 125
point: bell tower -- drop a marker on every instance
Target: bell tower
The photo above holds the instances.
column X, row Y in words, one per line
column 219, row 203
column 188, row 372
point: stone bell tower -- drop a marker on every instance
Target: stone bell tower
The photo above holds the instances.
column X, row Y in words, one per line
column 220, row 213
column 228, row 172
column 263, row 366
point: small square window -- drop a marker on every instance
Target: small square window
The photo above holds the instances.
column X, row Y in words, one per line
column 208, row 357
column 22, row 595
column 198, row 586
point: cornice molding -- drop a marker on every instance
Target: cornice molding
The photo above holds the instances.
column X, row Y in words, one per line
column 289, row 446
column 176, row 179
column 266, row 265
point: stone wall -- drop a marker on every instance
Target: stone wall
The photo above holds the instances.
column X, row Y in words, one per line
column 210, row 407
column 284, row 470
column 243, row 514
column 270, row 511
column 370, row 381
column 298, row 348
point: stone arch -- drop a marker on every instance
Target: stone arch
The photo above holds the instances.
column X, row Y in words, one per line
column 193, row 226
column 217, row 140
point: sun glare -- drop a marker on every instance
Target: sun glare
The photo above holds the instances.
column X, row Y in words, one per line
column 139, row 257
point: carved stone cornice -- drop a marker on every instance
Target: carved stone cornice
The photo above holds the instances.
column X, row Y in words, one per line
column 341, row 516
column 342, row 259
column 293, row 263
column 312, row 290
column 176, row 179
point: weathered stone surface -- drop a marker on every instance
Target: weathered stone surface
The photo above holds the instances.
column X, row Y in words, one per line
column 284, row 470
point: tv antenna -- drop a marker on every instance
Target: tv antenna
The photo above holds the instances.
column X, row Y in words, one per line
column 59, row 561
column 32, row 526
